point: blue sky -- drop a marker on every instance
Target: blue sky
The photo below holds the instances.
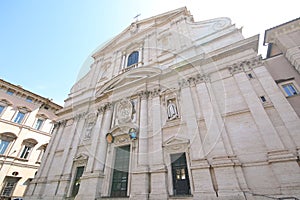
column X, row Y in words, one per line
column 44, row 43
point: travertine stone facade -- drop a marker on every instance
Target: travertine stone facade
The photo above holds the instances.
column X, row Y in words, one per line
column 26, row 123
column 174, row 109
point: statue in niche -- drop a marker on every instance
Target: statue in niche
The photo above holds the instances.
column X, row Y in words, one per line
column 172, row 110
column 90, row 122
column 133, row 117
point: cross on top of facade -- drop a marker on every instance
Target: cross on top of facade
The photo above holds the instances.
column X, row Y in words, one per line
column 137, row 16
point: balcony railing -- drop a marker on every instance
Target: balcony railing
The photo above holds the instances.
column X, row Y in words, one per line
column 135, row 65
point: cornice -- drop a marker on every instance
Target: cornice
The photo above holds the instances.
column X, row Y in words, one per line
column 283, row 29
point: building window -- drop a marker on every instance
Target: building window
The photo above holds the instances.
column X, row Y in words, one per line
column 25, row 152
column 76, row 184
column 120, row 173
column 9, row 186
column 290, row 89
column 133, row 58
column 29, row 99
column 5, row 139
column 250, row 76
column 19, row 118
column 42, row 152
column 181, row 182
column 10, row 92
column 3, row 145
column 1, row 109
column 38, row 124
column 263, row 99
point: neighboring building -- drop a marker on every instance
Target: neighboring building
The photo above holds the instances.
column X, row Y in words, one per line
column 174, row 109
column 26, row 122
column 283, row 59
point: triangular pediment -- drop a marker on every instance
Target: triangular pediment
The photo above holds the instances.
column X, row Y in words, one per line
column 175, row 141
column 127, row 78
column 81, row 156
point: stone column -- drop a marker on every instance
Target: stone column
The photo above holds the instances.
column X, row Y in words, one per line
column 123, row 60
column 157, row 168
column 143, row 132
column 212, row 143
column 140, row 175
column 189, row 116
column 76, row 140
column 91, row 181
column 140, row 56
column 262, row 120
column 95, row 140
column 69, row 155
column 102, row 147
column 49, row 154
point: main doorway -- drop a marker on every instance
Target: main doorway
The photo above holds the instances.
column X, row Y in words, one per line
column 181, row 182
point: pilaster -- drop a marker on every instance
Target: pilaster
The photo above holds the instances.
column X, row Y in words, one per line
column 189, row 117
column 76, row 139
column 157, row 168
column 140, row 175
column 102, row 147
column 91, row 182
column 95, row 140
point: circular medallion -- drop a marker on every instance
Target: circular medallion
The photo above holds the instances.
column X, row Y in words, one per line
column 124, row 111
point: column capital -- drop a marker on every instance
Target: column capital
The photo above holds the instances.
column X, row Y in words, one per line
column 200, row 78
column 155, row 92
column 245, row 65
column 62, row 122
column 193, row 80
column 183, row 83
column 100, row 110
column 108, row 106
column 143, row 94
column 78, row 116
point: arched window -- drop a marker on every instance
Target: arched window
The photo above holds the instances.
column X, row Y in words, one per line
column 133, row 58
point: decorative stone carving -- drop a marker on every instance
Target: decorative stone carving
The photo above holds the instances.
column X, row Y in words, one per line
column 125, row 138
column 221, row 23
column 78, row 116
column 133, row 28
column 245, row 65
column 124, row 111
column 198, row 78
column 101, row 109
column 183, row 83
column 90, row 122
column 108, row 106
column 201, row 78
column 176, row 144
column 81, row 159
column 155, row 92
column 144, row 94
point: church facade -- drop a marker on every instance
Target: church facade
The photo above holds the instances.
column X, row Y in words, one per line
column 174, row 109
